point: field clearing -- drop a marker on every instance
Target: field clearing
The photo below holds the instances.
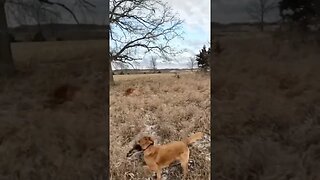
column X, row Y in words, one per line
column 266, row 113
column 147, row 76
column 165, row 107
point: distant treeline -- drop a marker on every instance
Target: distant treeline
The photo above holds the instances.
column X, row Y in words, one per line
column 147, row 71
column 58, row 32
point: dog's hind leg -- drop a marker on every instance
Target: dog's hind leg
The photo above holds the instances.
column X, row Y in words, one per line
column 185, row 169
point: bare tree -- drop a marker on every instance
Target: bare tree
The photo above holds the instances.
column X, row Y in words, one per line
column 7, row 66
column 191, row 63
column 41, row 12
column 141, row 27
column 153, row 64
column 258, row 9
column 123, row 67
column 25, row 12
column 120, row 65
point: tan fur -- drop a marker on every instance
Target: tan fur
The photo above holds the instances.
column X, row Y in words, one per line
column 158, row 157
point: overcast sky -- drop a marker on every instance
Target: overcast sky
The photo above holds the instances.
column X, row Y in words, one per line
column 228, row 11
column 195, row 13
column 224, row 11
column 196, row 27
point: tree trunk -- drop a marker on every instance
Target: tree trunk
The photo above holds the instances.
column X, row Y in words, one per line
column 7, row 67
column 262, row 22
column 111, row 80
column 110, row 58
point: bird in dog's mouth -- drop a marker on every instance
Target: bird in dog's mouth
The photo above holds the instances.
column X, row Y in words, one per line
column 135, row 148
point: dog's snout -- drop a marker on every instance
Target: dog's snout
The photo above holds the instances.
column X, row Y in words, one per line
column 130, row 152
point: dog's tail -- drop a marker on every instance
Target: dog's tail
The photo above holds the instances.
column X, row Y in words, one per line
column 193, row 138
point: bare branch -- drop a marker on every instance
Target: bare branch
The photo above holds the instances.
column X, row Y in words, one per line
column 35, row 8
column 62, row 6
column 145, row 26
column 258, row 9
column 87, row 3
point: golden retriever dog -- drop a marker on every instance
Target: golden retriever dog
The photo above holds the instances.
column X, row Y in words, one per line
column 158, row 157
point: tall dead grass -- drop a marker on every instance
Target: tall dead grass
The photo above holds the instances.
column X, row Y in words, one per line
column 266, row 108
column 167, row 108
column 40, row 139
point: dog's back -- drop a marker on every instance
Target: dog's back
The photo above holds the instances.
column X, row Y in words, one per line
column 158, row 157
column 168, row 153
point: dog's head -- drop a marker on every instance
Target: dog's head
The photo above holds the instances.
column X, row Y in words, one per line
column 145, row 142
column 141, row 145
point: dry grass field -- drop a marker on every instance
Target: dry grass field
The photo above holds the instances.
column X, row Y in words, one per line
column 52, row 114
column 266, row 113
column 165, row 107
column 52, row 122
column 267, row 107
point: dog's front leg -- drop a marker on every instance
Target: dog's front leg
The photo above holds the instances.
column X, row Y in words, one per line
column 155, row 168
column 149, row 172
column 158, row 174
column 146, row 169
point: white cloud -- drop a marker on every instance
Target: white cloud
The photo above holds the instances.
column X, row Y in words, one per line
column 195, row 13
column 196, row 16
